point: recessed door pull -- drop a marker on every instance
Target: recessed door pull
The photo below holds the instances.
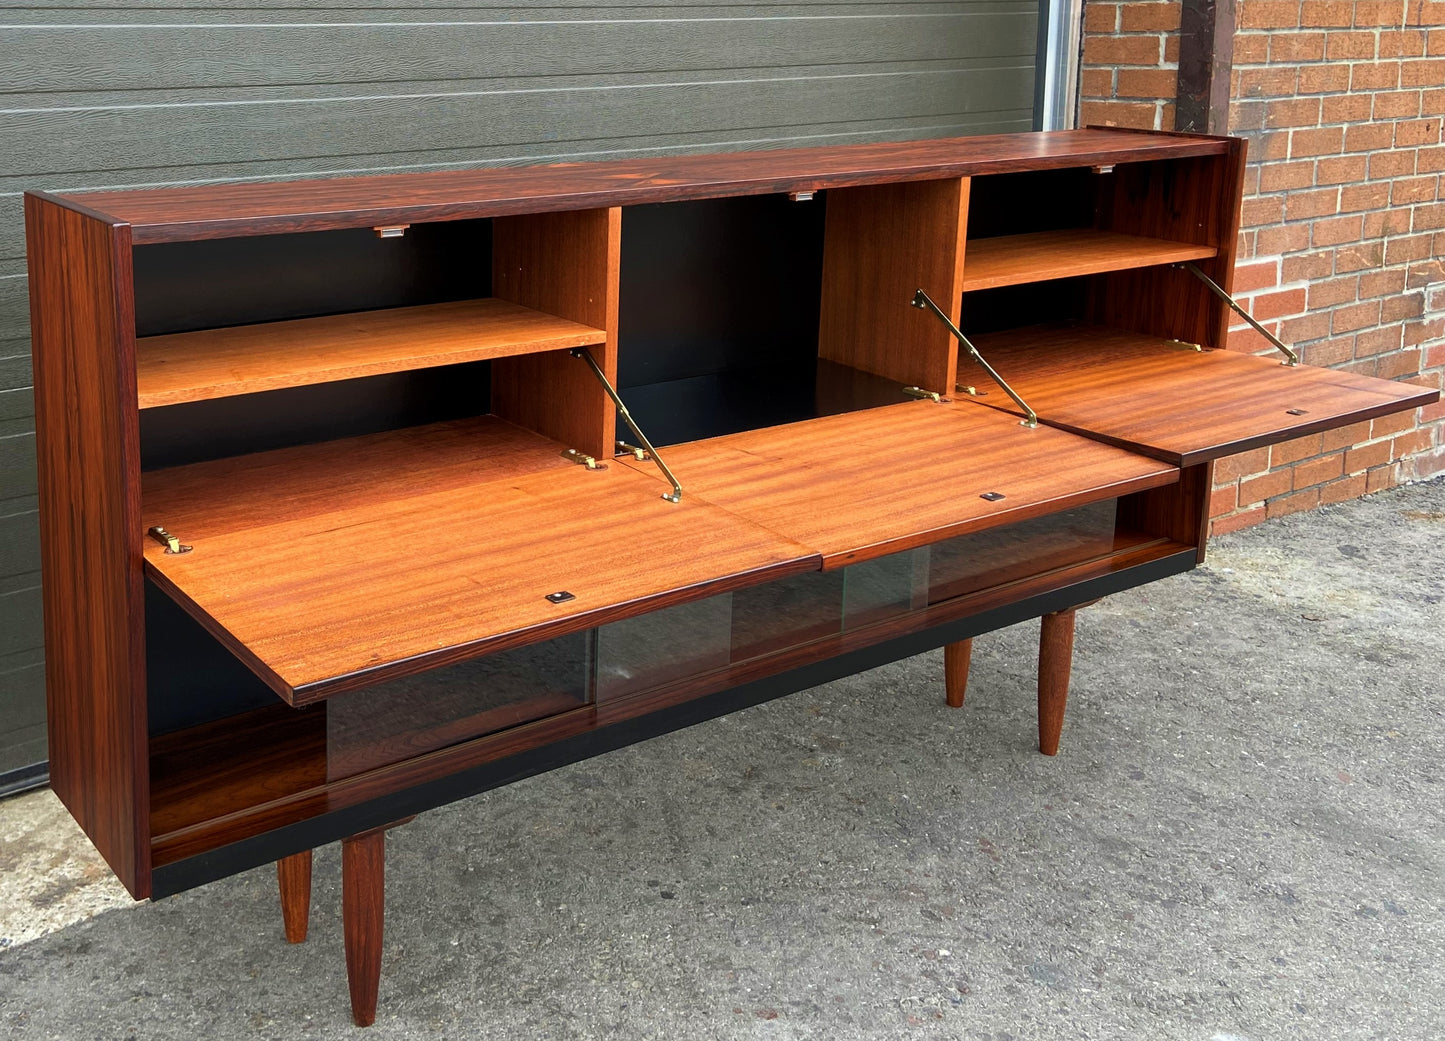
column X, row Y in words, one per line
column 166, row 539
column 924, row 302
column 1291, row 358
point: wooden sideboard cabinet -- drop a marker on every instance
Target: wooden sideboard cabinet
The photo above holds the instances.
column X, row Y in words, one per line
column 341, row 520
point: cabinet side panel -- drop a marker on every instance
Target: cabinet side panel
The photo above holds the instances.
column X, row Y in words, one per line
column 565, row 264
column 1187, row 200
column 882, row 244
column 87, row 447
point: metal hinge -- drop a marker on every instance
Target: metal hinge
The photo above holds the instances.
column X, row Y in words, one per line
column 923, row 301
column 1291, row 358
column 166, row 539
column 582, row 459
column 926, row 395
column 586, row 355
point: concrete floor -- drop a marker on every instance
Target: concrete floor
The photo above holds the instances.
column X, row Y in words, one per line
column 1244, row 838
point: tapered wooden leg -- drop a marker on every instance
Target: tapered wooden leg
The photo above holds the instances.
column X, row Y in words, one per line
column 363, row 908
column 1056, row 655
column 956, row 657
column 293, row 874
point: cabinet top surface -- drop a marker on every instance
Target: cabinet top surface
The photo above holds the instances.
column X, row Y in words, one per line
column 256, row 208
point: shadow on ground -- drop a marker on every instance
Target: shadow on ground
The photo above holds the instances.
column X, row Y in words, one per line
column 1241, row 840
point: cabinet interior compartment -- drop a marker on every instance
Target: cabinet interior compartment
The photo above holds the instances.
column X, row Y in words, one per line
column 341, row 333
column 1051, row 224
column 743, row 313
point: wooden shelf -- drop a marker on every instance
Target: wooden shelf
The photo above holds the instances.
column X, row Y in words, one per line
column 334, row 566
column 863, row 484
column 1182, row 406
column 243, row 359
column 1010, row 260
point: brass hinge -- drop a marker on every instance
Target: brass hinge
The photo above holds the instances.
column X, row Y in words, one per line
column 923, row 301
column 586, row 355
column 926, row 395
column 581, row 459
column 166, row 539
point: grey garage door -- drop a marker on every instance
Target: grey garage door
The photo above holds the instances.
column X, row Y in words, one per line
column 108, row 93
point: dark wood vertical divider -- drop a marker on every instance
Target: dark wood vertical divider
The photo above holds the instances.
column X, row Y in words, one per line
column 1193, row 200
column 882, row 243
column 88, row 455
column 565, row 264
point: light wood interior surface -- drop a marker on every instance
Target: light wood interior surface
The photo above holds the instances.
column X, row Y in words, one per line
column 1008, row 260
column 325, row 569
column 564, row 264
column 1175, row 404
column 883, row 243
column 862, row 484
column 242, row 359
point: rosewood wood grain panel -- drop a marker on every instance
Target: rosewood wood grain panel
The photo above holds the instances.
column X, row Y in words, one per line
column 565, row 264
column 881, row 244
column 1009, row 260
column 217, row 211
column 231, row 773
column 319, row 601
column 243, row 359
column 1182, row 406
column 863, row 484
column 88, row 461
column 1195, row 200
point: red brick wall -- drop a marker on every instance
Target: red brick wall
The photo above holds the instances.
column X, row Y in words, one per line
column 1131, row 64
column 1342, row 247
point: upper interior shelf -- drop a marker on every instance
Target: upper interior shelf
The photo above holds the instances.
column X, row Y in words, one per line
column 221, row 210
column 861, row 484
column 242, row 359
column 329, row 566
column 1174, row 403
column 1009, row 260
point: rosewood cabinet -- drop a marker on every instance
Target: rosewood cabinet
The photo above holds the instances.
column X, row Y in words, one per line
column 341, row 519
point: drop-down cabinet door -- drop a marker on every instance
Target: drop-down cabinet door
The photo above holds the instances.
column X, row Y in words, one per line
column 865, row 484
column 1172, row 401
column 337, row 565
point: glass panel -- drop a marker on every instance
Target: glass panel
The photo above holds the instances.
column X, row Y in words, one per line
column 885, row 587
column 970, row 563
column 402, row 718
column 786, row 613
column 640, row 653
